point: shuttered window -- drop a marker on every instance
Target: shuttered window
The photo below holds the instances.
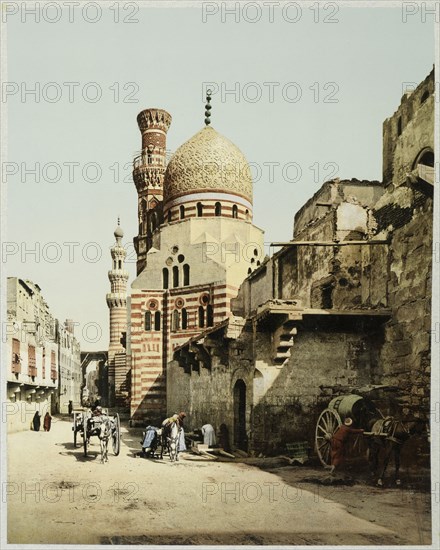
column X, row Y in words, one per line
column 53, row 366
column 16, row 364
column 32, row 363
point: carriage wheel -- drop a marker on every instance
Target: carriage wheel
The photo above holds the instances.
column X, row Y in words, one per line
column 116, row 436
column 328, row 422
column 75, row 431
column 84, row 434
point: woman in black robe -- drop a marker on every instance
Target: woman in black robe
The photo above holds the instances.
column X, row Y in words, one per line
column 36, row 421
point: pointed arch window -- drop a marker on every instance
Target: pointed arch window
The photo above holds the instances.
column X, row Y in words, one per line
column 209, row 316
column 185, row 275
column 201, row 317
column 165, row 277
column 199, row 209
column 175, row 276
column 182, row 212
column 235, row 211
column 184, row 319
column 218, row 209
column 148, row 320
column 176, row 320
column 157, row 320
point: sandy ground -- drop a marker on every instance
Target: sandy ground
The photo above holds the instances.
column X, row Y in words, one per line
column 55, row 495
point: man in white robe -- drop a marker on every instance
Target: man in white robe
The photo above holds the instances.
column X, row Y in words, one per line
column 208, row 435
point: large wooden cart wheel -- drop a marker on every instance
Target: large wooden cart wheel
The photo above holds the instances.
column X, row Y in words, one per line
column 328, row 422
column 84, row 433
column 116, row 436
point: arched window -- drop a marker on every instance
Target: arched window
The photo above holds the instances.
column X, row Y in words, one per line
column 169, row 216
column 153, row 221
column 182, row 212
column 165, row 277
column 119, row 264
column 209, row 316
column 157, row 320
column 201, row 317
column 149, row 157
column 114, row 264
column 176, row 320
column 184, row 319
column 235, row 211
column 175, row 276
column 148, row 320
column 399, row 126
column 247, row 214
column 185, row 275
column 199, row 209
column 218, row 209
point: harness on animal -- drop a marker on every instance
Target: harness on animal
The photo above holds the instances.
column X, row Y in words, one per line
column 387, row 427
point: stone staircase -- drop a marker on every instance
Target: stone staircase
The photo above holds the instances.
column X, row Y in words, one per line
column 283, row 342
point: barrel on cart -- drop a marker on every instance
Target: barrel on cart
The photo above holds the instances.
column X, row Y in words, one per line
column 351, row 406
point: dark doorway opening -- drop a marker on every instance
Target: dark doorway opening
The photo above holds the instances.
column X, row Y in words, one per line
column 240, row 437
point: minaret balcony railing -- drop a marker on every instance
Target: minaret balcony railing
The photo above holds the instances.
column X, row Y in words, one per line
column 141, row 159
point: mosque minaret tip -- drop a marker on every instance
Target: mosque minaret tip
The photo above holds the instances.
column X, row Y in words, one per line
column 117, row 303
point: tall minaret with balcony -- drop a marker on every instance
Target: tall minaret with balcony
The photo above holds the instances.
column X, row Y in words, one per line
column 148, row 173
column 117, row 303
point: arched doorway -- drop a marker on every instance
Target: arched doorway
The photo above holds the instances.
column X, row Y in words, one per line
column 240, row 437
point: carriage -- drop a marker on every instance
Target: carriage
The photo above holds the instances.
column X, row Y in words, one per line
column 87, row 425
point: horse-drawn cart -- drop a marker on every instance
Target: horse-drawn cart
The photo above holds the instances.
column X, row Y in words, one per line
column 88, row 424
column 383, row 433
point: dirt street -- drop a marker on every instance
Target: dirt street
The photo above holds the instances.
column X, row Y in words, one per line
column 57, row 496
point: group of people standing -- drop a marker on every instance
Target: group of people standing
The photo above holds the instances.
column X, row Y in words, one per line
column 36, row 422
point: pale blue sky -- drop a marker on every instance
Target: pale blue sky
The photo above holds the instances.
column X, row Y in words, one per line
column 369, row 54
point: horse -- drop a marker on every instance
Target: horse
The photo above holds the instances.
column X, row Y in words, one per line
column 170, row 440
column 105, row 433
column 390, row 434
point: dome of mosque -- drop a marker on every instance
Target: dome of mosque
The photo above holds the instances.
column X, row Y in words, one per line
column 207, row 162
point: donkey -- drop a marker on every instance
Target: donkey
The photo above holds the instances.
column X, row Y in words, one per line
column 170, row 440
column 105, row 433
column 395, row 433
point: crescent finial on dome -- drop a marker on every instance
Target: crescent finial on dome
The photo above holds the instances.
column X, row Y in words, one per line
column 208, row 108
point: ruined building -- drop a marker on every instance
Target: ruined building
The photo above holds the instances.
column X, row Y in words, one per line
column 345, row 305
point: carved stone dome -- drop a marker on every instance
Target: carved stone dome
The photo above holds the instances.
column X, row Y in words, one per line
column 208, row 162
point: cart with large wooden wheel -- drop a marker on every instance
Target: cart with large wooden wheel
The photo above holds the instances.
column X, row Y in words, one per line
column 340, row 408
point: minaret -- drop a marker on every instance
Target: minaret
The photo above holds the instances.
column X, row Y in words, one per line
column 148, row 173
column 117, row 303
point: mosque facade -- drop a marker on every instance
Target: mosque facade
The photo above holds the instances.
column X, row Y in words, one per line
column 196, row 245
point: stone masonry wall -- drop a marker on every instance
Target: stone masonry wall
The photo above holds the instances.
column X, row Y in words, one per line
column 405, row 355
